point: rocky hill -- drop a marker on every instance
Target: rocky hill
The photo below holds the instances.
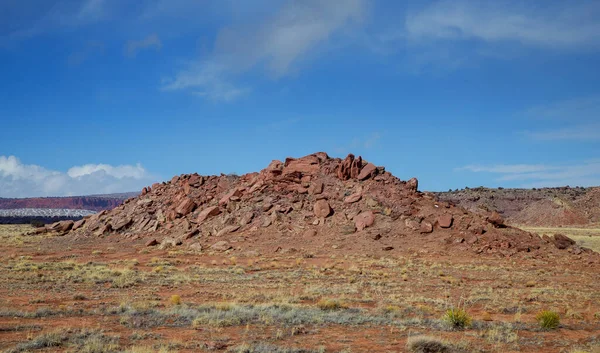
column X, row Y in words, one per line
column 313, row 204
column 549, row 207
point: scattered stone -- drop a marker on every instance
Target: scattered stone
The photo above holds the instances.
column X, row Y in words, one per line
column 186, row 206
column 445, row 220
column 191, row 233
column 353, row 198
column 207, row 213
column 220, row 246
column 322, row 209
column 387, row 248
column 227, row 230
column 309, row 233
column 426, row 227
column 121, row 224
column 364, row 220
column 316, row 188
column 496, row 220
column 562, row 241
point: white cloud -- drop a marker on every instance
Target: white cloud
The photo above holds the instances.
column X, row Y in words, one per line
column 275, row 45
column 449, row 34
column 150, row 42
column 564, row 25
column 28, row 180
column 540, row 175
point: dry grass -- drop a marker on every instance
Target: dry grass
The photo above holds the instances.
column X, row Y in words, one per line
column 353, row 302
column 585, row 237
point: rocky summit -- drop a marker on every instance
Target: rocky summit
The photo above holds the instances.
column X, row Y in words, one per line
column 314, row 204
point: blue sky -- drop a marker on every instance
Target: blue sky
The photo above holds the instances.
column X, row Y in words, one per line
column 110, row 95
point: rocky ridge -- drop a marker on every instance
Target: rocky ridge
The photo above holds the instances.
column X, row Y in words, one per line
column 313, row 204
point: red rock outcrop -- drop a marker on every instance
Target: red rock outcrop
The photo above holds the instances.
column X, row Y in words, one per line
column 313, row 203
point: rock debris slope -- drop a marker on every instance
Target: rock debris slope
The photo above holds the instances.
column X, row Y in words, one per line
column 314, row 204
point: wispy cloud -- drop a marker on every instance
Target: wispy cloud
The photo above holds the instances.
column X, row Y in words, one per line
column 587, row 132
column 27, row 180
column 580, row 108
column 150, row 42
column 274, row 46
column 576, row 119
column 540, row 175
column 26, row 19
column 451, row 34
column 357, row 144
column 563, row 25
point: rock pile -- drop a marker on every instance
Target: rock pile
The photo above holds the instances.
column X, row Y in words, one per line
column 309, row 204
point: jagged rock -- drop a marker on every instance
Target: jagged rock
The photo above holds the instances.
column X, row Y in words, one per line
column 495, row 219
column 356, row 167
column 322, row 209
column 247, row 218
column 305, row 165
column 412, row 184
column 562, row 241
column 426, row 227
column 78, row 224
column 353, row 198
column 186, row 206
column 61, row 226
column 344, row 169
column 152, row 242
column 207, row 213
column 227, row 230
column 316, row 188
column 169, row 243
column 196, row 247
column 367, row 171
column 267, row 222
column 144, row 202
column 220, row 246
column 121, row 224
column 191, row 233
column 234, row 193
column 412, row 223
column 364, row 220
column 445, row 220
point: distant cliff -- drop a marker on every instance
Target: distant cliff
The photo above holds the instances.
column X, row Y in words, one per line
column 92, row 202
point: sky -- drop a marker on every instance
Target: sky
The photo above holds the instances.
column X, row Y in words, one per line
column 102, row 96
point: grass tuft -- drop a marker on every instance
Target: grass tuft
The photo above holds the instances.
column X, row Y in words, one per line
column 457, row 319
column 548, row 320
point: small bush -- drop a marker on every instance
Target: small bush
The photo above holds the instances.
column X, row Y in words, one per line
column 175, row 299
column 548, row 320
column 426, row 344
column 457, row 318
column 331, row 304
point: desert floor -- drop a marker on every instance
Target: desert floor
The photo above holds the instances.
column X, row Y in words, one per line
column 114, row 295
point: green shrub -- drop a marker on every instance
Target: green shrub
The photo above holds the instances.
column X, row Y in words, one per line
column 548, row 320
column 457, row 318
